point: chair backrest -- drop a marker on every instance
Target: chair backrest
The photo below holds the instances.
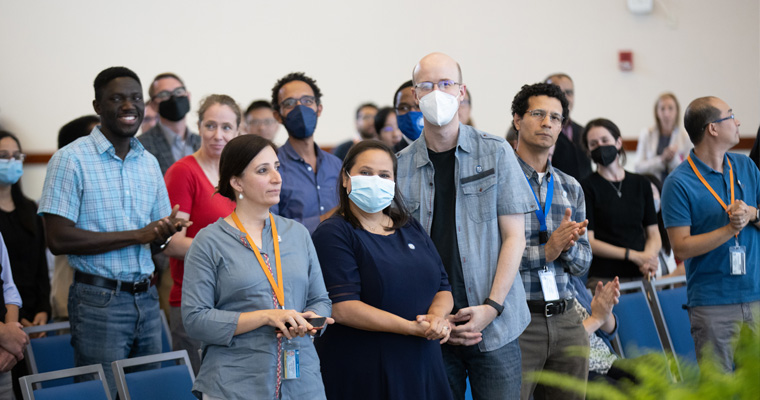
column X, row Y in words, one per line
column 50, row 353
column 670, row 304
column 637, row 331
column 96, row 389
column 174, row 382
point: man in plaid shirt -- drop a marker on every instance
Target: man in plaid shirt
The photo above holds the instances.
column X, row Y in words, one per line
column 556, row 244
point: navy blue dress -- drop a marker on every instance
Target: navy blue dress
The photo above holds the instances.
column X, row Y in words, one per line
column 399, row 273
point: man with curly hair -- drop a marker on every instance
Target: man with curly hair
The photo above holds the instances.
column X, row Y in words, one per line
column 309, row 175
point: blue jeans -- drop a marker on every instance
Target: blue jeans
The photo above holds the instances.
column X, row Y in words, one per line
column 493, row 374
column 109, row 325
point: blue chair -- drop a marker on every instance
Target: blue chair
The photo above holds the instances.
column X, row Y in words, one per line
column 165, row 383
column 91, row 390
column 670, row 305
column 50, row 353
column 637, row 330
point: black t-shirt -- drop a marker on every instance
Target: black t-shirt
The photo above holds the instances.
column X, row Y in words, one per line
column 620, row 221
column 443, row 231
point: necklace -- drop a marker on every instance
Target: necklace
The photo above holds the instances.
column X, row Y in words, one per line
column 618, row 189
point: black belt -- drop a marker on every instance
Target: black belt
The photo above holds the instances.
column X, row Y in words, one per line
column 131, row 287
column 556, row 307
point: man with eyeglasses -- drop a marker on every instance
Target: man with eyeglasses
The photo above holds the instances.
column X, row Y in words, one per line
column 365, row 127
column 557, row 245
column 170, row 139
column 710, row 209
column 309, row 174
column 466, row 189
column 259, row 120
column 408, row 115
column 569, row 154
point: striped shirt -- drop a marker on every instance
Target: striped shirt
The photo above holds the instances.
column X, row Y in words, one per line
column 88, row 184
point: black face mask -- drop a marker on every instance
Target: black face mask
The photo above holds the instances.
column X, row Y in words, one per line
column 174, row 108
column 604, row 155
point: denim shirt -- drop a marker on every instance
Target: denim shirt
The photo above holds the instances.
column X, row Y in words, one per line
column 490, row 183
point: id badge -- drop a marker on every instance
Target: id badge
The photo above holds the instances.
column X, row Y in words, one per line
column 291, row 360
column 548, row 285
column 738, row 260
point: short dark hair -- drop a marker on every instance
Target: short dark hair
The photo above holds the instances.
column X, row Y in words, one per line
column 380, row 118
column 520, row 102
column 160, row 76
column 236, row 155
column 256, row 104
column 365, row 105
column 610, row 127
column 294, row 76
column 400, row 88
column 107, row 75
column 75, row 129
column 223, row 99
column 397, row 210
column 698, row 115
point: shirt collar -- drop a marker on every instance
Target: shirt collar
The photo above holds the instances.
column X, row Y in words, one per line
column 464, row 143
column 103, row 145
column 288, row 150
column 171, row 136
column 704, row 168
column 532, row 173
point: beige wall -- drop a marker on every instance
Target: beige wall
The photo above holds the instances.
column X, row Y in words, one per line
column 52, row 50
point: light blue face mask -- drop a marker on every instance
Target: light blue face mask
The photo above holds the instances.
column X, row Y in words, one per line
column 371, row 193
column 10, row 171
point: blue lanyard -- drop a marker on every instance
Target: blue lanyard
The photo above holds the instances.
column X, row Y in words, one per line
column 548, row 205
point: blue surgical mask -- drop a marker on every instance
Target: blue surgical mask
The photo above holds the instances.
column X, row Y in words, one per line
column 301, row 122
column 371, row 193
column 411, row 124
column 10, row 171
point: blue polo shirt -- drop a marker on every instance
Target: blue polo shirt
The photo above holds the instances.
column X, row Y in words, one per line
column 304, row 195
column 687, row 202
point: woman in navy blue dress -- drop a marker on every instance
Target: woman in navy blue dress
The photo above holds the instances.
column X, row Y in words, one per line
column 390, row 292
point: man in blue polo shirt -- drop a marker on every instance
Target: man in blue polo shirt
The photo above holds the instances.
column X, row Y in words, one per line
column 309, row 175
column 710, row 208
column 104, row 204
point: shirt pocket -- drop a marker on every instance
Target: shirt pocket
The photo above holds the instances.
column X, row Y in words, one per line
column 480, row 196
column 414, row 208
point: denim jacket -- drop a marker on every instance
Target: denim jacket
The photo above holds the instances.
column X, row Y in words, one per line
column 490, row 183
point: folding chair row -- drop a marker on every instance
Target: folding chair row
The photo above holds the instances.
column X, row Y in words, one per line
column 96, row 389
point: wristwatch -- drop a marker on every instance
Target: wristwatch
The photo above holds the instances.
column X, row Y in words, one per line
column 499, row 308
column 166, row 243
column 757, row 216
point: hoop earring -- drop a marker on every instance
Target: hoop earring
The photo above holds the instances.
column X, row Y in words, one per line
column 240, row 196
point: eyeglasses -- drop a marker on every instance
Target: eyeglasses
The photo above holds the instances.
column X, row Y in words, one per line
column 719, row 120
column 388, row 128
column 290, row 102
column 540, row 115
column 17, row 155
column 443, row 85
column 166, row 94
column 404, row 108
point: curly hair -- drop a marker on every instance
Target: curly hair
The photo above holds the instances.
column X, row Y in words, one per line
column 520, row 102
column 294, row 76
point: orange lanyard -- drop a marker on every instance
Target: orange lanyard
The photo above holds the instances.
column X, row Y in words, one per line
column 707, row 185
column 278, row 287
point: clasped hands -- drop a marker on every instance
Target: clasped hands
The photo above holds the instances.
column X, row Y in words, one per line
column 740, row 214
column 564, row 237
column 158, row 232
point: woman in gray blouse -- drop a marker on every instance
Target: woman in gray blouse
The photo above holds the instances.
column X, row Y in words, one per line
column 249, row 298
